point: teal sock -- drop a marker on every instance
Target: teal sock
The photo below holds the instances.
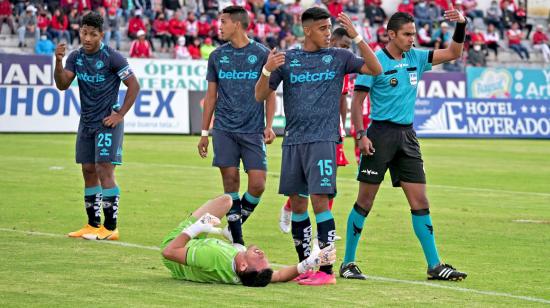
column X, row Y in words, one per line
column 422, row 225
column 356, row 220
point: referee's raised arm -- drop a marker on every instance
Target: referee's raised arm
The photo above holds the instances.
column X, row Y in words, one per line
column 454, row 51
column 371, row 66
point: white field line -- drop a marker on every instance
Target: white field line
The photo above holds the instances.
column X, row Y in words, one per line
column 346, row 179
column 385, row 279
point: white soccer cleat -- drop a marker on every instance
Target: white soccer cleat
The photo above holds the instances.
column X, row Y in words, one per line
column 285, row 220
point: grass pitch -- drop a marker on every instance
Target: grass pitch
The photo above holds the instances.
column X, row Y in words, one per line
column 490, row 203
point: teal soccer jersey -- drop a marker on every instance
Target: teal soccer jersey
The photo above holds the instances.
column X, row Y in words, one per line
column 236, row 71
column 393, row 93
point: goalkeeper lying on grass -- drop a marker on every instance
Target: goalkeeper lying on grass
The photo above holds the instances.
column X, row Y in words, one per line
column 189, row 255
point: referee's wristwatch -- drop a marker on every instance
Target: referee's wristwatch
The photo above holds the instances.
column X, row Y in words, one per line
column 360, row 134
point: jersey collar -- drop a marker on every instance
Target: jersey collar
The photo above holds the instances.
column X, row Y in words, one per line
column 389, row 54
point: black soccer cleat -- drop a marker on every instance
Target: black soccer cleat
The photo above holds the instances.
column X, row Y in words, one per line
column 445, row 272
column 351, row 271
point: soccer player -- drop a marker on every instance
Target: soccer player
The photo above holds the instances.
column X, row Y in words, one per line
column 189, row 255
column 239, row 131
column 99, row 70
column 339, row 39
column 312, row 86
column 393, row 96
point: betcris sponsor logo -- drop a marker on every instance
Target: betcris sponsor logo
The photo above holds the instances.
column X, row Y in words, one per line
column 236, row 75
column 97, row 78
column 312, row 77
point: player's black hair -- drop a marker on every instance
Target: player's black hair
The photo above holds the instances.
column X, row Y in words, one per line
column 398, row 19
column 93, row 19
column 255, row 278
column 339, row 33
column 314, row 14
column 238, row 13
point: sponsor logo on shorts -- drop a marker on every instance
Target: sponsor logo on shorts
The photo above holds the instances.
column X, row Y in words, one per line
column 325, row 182
column 369, row 172
column 104, row 152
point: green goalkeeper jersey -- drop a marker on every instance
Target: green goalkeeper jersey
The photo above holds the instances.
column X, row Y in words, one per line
column 208, row 260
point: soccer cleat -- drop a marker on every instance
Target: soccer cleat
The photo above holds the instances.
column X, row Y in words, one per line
column 227, row 234
column 304, row 275
column 445, row 272
column 351, row 271
column 284, row 220
column 102, row 235
column 318, row 279
column 85, row 230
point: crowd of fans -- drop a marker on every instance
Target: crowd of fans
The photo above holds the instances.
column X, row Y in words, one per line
column 188, row 29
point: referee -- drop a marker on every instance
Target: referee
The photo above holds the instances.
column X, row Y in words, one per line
column 390, row 141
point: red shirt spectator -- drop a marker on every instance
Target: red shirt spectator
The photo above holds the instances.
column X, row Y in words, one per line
column 5, row 8
column 140, row 47
column 161, row 26
column 176, row 26
column 514, row 36
column 204, row 26
column 539, row 37
column 476, row 37
column 335, row 7
column 261, row 29
column 406, row 7
column 83, row 5
column 43, row 21
column 134, row 25
column 57, row 25
column 112, row 3
column 195, row 49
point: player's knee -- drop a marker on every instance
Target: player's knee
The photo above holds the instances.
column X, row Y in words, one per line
column 88, row 170
column 365, row 202
column 256, row 188
column 420, row 203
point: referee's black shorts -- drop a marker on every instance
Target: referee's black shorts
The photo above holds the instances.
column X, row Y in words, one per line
column 396, row 148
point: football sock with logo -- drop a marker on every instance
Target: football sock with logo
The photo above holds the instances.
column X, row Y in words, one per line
column 356, row 220
column 249, row 203
column 110, row 207
column 326, row 231
column 234, row 219
column 422, row 225
column 92, row 202
column 301, row 233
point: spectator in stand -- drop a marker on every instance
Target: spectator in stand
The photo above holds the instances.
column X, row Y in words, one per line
column 161, row 30
column 190, row 6
column 180, row 50
column 382, row 35
column 135, row 24
column 298, row 30
column 491, row 39
column 74, row 25
column 406, row 6
column 515, row 35
column 211, row 8
column 192, row 27
column 335, row 7
column 43, row 21
column 28, row 24
column 476, row 36
column 60, row 27
column 261, row 29
column 441, row 37
column 351, row 7
column 274, row 31
column 434, row 13
column 112, row 25
column 424, row 37
column 274, row 7
column 177, row 27
column 204, row 27
column 521, row 17
column 470, row 9
column 6, row 15
column 171, row 6
column 421, row 14
column 493, row 16
column 195, row 49
column 295, row 10
column 146, row 8
column 207, row 48
column 140, row 47
column 44, row 46
column 508, row 13
column 375, row 13
column 540, row 42
column 476, row 56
